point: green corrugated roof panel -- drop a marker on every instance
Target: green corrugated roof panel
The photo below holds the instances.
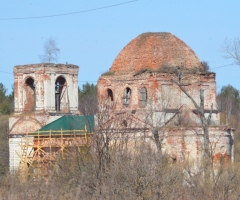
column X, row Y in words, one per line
column 71, row 123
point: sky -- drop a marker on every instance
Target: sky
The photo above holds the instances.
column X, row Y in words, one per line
column 91, row 33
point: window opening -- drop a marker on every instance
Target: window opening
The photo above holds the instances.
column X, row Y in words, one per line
column 110, row 94
column 143, row 97
column 30, row 103
column 59, row 84
column 124, row 122
column 126, row 97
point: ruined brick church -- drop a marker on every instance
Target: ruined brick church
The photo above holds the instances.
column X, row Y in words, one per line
column 137, row 97
column 140, row 96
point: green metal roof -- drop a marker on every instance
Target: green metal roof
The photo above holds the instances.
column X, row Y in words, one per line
column 71, row 123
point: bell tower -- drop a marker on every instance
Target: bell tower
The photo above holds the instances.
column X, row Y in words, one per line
column 42, row 93
column 46, row 87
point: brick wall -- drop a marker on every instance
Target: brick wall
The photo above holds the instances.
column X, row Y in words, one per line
column 29, row 104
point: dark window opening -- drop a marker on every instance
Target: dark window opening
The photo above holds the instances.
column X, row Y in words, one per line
column 126, row 97
column 110, row 94
column 124, row 123
column 143, row 97
column 59, row 84
column 30, row 102
column 30, row 82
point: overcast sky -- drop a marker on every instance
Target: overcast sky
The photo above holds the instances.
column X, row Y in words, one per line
column 93, row 38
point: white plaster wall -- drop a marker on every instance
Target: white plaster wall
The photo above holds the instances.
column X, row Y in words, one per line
column 69, row 91
column 14, row 148
column 51, row 92
column 75, row 93
column 52, row 118
column 15, row 151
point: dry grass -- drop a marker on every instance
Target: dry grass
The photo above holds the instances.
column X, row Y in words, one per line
column 143, row 174
column 111, row 172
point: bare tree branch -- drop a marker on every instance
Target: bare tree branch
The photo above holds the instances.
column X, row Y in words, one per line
column 188, row 95
column 208, row 163
column 210, row 114
column 231, row 49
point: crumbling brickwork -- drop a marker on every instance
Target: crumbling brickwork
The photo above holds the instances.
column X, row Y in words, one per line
column 154, row 51
column 140, row 83
column 35, row 87
column 162, row 93
column 42, row 93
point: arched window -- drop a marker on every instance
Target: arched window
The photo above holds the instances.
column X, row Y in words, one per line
column 110, row 94
column 30, row 101
column 143, row 97
column 124, row 123
column 126, row 97
column 59, row 84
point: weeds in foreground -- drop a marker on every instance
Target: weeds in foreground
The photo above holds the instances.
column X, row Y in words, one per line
column 137, row 174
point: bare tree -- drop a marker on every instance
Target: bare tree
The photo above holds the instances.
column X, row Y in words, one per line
column 51, row 51
column 156, row 118
column 231, row 49
column 110, row 170
column 206, row 121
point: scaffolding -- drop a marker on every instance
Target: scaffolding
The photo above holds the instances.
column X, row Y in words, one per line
column 39, row 150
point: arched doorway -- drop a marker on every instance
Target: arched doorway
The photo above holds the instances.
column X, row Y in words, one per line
column 30, row 96
column 60, row 85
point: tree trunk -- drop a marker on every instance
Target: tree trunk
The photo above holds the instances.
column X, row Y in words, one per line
column 157, row 140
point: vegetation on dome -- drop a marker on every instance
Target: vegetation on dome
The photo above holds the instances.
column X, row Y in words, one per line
column 108, row 73
column 204, row 69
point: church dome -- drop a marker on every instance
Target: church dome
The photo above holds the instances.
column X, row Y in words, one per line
column 155, row 51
